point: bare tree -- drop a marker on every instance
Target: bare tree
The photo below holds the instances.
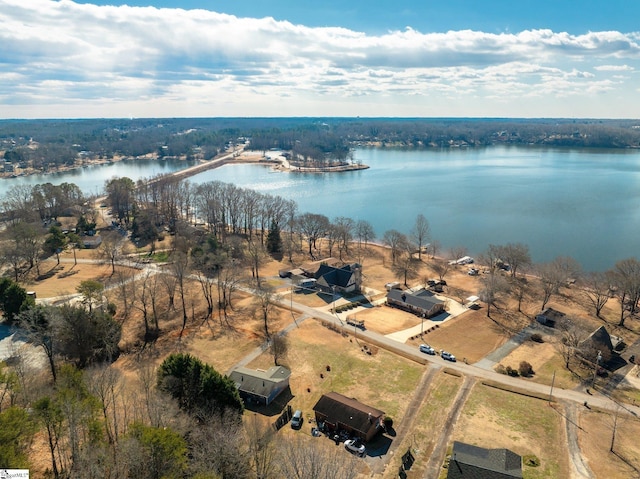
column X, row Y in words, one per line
column 396, row 242
column 555, row 274
column 313, row 227
column 110, row 249
column 278, row 347
column 492, row 286
column 571, row 335
column 180, row 269
column 265, row 301
column 106, row 384
column 420, row 233
column 626, row 278
column 516, row 255
column 262, row 451
column 305, row 460
column 406, row 265
column 441, row 268
column 219, row 447
column 597, row 290
column 344, row 228
column 364, row 232
column 520, row 289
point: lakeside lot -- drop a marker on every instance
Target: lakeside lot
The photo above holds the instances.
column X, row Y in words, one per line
column 489, row 417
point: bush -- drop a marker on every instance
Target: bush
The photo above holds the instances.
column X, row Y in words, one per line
column 536, row 337
column 500, row 369
column 525, row 369
column 512, row 372
column 388, row 422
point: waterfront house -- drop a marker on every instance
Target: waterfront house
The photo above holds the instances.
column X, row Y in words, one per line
column 422, row 302
column 549, row 317
column 346, row 279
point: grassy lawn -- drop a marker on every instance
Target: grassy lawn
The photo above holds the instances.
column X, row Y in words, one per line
column 352, row 372
column 428, row 423
column 495, row 418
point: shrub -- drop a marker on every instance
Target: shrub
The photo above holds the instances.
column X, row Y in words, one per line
column 512, row 372
column 536, row 337
column 525, row 369
column 388, row 422
column 500, row 369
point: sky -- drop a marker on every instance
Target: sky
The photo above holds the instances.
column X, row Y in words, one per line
column 348, row 58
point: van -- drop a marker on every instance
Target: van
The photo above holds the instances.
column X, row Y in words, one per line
column 296, row 420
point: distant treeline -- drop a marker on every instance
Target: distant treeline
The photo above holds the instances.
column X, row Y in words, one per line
column 50, row 143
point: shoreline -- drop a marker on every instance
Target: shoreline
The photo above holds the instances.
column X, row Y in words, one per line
column 239, row 156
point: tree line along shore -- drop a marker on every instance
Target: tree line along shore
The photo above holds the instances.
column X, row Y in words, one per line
column 41, row 146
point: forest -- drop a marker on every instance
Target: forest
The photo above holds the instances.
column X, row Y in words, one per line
column 48, row 144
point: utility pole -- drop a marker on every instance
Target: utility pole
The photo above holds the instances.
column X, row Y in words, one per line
column 595, row 369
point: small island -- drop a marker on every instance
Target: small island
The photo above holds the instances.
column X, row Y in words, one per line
column 283, row 161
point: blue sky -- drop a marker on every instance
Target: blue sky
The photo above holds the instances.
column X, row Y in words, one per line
column 472, row 58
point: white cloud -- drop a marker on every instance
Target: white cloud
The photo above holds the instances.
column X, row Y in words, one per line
column 148, row 60
column 613, row 68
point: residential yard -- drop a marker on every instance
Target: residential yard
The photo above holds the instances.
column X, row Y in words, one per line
column 381, row 379
column 471, row 335
column 595, row 442
column 428, row 423
column 495, row 418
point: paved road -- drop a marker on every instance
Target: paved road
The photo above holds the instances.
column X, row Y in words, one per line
column 595, row 400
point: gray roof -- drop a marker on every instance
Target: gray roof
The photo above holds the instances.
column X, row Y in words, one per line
column 258, row 381
column 473, row 462
column 422, row 299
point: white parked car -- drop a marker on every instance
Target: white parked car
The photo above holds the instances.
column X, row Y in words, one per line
column 448, row 356
column 355, row 446
column 425, row 348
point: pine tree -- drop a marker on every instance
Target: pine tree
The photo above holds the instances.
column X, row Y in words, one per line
column 274, row 240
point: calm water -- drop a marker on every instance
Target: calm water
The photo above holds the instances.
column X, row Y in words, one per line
column 581, row 203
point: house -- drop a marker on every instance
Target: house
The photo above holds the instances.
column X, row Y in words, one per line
column 421, row 302
column 260, row 386
column 600, row 339
column 346, row 279
column 310, row 269
column 473, row 462
column 549, row 317
column 336, row 412
column 91, row 242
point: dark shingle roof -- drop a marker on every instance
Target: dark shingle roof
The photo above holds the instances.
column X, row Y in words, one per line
column 473, row 462
column 347, row 411
column 422, row 299
column 335, row 276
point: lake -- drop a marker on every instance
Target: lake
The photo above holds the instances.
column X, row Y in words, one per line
column 580, row 203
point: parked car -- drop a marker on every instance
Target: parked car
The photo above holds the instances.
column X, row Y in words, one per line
column 473, row 272
column 425, row 348
column 448, row 356
column 355, row 446
column 296, row 420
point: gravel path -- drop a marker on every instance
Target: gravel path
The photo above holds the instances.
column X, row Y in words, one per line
column 579, row 468
column 440, row 448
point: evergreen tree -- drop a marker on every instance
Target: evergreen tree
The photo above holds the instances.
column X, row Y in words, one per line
column 274, row 240
column 198, row 388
